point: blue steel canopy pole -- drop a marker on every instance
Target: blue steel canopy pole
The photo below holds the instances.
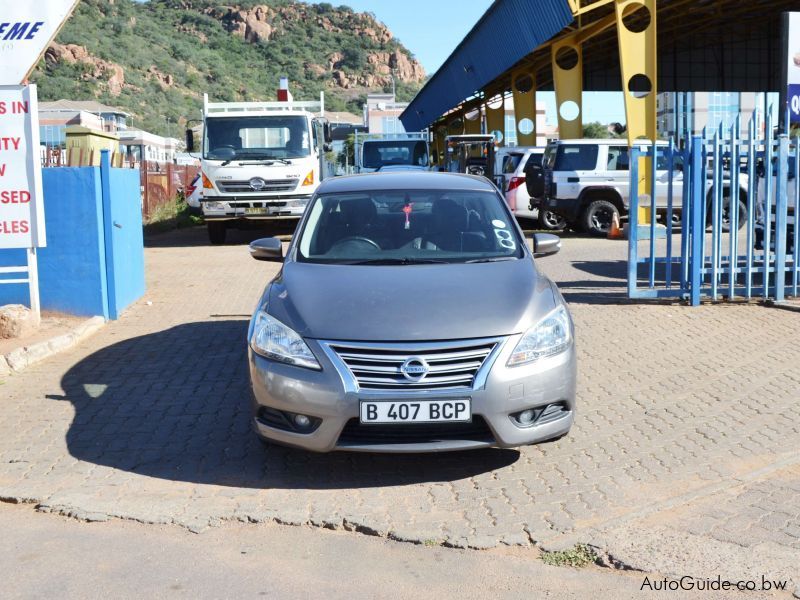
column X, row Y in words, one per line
column 653, row 215
column 796, row 260
column 633, row 225
column 715, row 215
column 670, row 173
column 767, row 201
column 733, row 261
column 781, row 205
column 752, row 205
column 698, row 219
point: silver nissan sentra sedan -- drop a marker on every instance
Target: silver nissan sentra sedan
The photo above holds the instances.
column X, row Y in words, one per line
column 409, row 316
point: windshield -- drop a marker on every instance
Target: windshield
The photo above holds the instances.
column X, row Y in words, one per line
column 254, row 138
column 408, row 227
column 380, row 154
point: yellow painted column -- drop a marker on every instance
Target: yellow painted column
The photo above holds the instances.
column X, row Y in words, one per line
column 523, row 87
column 472, row 121
column 567, row 62
column 496, row 119
column 636, row 31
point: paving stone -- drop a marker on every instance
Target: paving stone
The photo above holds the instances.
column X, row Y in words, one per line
column 149, row 420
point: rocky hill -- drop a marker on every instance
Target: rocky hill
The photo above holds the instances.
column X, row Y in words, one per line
column 156, row 59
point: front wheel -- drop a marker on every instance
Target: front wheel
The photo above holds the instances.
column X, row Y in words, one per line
column 550, row 221
column 217, row 231
column 598, row 216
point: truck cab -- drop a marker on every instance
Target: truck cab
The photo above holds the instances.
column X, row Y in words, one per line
column 260, row 161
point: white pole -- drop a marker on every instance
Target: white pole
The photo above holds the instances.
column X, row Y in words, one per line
column 33, row 285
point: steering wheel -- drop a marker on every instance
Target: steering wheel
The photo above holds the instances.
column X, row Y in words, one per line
column 359, row 239
column 475, row 170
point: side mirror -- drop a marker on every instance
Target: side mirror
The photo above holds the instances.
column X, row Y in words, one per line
column 189, row 140
column 327, row 147
column 267, row 249
column 326, row 132
column 546, row 244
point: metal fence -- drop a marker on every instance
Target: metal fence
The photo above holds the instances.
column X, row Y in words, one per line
column 729, row 219
column 161, row 183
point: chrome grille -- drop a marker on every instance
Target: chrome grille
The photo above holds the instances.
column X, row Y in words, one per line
column 270, row 185
column 450, row 365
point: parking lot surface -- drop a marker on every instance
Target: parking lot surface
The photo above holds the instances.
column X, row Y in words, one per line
column 684, row 458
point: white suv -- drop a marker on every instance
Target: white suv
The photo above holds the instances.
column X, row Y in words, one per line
column 588, row 181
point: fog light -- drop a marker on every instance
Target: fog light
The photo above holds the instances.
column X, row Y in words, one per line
column 302, row 421
column 526, row 417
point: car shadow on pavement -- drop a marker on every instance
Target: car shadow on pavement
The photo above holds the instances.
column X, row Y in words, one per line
column 175, row 405
column 198, row 236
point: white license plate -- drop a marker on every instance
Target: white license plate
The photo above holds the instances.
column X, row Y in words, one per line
column 416, row 411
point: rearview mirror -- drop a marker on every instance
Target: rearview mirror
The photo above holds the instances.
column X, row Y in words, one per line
column 267, row 249
column 189, row 140
column 546, row 244
column 326, row 132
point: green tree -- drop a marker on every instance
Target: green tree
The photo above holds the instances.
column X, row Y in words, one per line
column 597, row 131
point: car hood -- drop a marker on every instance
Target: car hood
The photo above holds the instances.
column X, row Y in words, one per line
column 410, row 302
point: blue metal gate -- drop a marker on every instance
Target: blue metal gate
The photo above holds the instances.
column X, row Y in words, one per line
column 729, row 211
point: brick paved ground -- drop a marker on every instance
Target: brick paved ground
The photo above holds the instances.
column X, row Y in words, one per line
column 687, row 432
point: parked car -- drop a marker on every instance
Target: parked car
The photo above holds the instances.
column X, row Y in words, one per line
column 409, row 316
column 588, row 181
column 194, row 193
column 516, row 189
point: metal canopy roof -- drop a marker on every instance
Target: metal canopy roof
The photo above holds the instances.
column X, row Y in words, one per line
column 704, row 45
column 508, row 30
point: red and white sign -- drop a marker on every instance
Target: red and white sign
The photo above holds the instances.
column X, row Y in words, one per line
column 21, row 206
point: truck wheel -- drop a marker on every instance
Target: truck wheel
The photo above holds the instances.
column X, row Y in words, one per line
column 551, row 221
column 598, row 216
column 217, row 232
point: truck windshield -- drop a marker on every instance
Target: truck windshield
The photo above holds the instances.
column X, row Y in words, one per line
column 390, row 227
column 256, row 138
column 380, row 154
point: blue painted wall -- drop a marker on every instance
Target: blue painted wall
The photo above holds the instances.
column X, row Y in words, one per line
column 89, row 267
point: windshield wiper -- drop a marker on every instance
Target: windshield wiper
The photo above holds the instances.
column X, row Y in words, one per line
column 398, row 261
column 493, row 259
column 265, row 160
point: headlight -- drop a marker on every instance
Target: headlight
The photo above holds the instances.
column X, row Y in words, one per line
column 214, row 205
column 272, row 339
column 551, row 336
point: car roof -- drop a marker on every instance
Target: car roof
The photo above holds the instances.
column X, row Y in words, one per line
column 404, row 180
column 606, row 142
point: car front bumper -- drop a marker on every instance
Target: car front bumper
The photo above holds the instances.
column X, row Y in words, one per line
column 324, row 396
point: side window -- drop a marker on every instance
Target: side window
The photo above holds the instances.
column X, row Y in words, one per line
column 533, row 161
column 576, row 157
column 618, row 158
column 510, row 165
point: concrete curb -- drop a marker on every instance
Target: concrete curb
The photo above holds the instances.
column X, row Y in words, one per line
column 21, row 358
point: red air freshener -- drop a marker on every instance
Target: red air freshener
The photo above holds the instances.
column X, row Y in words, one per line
column 407, row 209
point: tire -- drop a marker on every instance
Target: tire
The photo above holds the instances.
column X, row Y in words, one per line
column 726, row 223
column 598, row 216
column 217, row 232
column 550, row 221
column 726, row 220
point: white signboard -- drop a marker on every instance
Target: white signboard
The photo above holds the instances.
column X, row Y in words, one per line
column 21, row 205
column 26, row 29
